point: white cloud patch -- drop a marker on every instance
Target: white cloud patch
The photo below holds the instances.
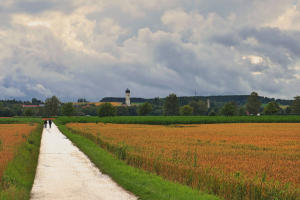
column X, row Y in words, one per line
column 289, row 20
column 92, row 49
column 11, row 92
column 254, row 59
column 40, row 89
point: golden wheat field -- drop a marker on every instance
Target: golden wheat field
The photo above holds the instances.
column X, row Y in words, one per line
column 267, row 155
column 11, row 135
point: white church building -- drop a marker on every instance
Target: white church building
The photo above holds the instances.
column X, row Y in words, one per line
column 127, row 97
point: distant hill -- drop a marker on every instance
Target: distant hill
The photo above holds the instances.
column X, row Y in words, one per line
column 239, row 99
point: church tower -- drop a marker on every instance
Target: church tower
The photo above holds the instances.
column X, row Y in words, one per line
column 127, row 97
column 208, row 104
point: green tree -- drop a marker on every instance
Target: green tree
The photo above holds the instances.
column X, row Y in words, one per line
column 122, row 111
column 16, row 109
column 229, row 109
column 199, row 108
column 212, row 113
column 253, row 104
column 52, row 106
column 171, row 105
column 288, row 110
column 271, row 108
column 145, row 109
column 242, row 111
column 107, row 110
column 186, row 110
column 296, row 105
column 28, row 112
column 67, row 109
column 132, row 110
column 35, row 101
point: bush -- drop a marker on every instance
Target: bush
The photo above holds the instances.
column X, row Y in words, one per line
column 28, row 112
column 145, row 109
column 67, row 109
column 186, row 110
column 122, row 111
column 107, row 110
column 212, row 113
column 229, row 109
column 271, row 108
column 199, row 107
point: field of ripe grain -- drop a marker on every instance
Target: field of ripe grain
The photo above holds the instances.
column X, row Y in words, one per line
column 11, row 135
column 252, row 161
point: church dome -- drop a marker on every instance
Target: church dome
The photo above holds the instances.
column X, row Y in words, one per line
column 127, row 90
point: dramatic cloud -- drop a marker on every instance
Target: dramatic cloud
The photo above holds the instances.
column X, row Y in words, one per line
column 92, row 49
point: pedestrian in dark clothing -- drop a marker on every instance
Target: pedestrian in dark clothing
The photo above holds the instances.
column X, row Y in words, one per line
column 45, row 123
column 50, row 123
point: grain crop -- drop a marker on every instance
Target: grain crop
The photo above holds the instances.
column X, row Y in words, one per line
column 251, row 161
column 12, row 135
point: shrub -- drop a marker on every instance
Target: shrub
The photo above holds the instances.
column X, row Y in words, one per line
column 229, row 109
column 271, row 108
column 186, row 110
column 106, row 110
column 122, row 111
column 199, row 107
column 67, row 109
column 145, row 108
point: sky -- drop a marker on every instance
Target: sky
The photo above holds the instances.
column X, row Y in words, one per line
column 97, row 48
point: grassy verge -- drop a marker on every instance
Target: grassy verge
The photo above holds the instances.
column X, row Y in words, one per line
column 19, row 120
column 166, row 120
column 145, row 185
column 19, row 174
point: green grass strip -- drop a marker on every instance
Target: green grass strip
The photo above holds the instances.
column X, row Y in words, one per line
column 167, row 120
column 19, row 174
column 145, row 185
column 19, row 120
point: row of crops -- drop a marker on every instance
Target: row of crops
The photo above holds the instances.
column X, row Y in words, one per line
column 165, row 120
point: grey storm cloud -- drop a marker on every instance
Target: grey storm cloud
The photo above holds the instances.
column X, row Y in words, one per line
column 93, row 49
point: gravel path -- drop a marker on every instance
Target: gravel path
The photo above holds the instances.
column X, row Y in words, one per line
column 64, row 172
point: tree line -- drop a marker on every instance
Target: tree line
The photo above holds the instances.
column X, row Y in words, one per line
column 169, row 106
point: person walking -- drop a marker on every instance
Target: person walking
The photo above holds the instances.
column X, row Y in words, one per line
column 45, row 123
column 50, row 123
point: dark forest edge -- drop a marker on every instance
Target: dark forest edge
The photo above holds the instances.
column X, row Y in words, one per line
column 167, row 120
